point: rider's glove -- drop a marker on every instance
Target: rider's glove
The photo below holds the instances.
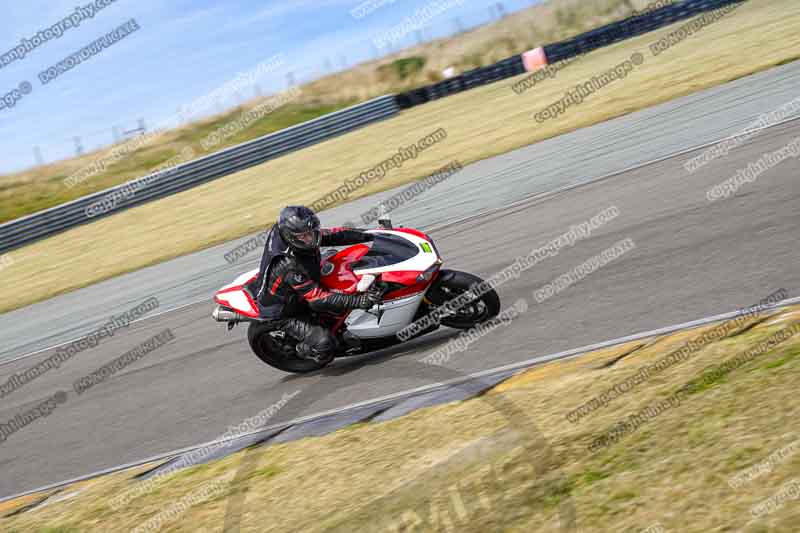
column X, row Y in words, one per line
column 368, row 299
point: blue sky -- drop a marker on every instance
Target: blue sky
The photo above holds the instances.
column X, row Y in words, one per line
column 183, row 50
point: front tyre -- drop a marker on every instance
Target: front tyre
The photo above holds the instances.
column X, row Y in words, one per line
column 278, row 350
column 479, row 307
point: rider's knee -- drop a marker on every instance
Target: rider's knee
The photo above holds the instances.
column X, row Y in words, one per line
column 321, row 341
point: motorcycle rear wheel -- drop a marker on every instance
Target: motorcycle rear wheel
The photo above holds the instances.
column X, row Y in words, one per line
column 278, row 350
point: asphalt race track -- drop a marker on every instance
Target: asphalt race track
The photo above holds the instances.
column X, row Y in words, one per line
column 692, row 259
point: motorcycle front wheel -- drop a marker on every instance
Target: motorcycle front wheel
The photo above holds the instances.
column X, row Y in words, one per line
column 478, row 309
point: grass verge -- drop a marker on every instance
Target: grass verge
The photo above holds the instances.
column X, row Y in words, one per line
column 480, row 123
column 477, row 466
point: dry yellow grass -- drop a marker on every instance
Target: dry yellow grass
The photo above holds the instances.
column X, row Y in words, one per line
column 510, row 460
column 480, row 123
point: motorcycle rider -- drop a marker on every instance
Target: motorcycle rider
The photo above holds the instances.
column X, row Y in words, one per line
column 289, row 293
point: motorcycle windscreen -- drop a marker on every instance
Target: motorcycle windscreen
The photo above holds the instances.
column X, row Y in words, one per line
column 386, row 250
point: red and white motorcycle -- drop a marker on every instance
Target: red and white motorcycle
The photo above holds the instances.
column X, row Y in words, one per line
column 405, row 264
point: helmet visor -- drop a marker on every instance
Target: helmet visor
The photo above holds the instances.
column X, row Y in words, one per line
column 306, row 239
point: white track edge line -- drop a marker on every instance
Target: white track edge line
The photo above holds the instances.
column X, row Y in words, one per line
column 37, row 352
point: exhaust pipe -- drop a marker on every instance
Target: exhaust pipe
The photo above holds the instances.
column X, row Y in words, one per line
column 224, row 314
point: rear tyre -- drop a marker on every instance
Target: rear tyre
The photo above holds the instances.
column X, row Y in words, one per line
column 278, row 350
column 477, row 310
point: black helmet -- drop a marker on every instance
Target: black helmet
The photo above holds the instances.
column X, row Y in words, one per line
column 299, row 227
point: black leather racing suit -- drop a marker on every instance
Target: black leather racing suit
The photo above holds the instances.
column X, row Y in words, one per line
column 289, row 293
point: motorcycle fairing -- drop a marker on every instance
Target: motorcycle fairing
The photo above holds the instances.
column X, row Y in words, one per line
column 236, row 296
column 392, row 316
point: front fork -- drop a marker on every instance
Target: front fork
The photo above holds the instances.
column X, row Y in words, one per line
column 434, row 295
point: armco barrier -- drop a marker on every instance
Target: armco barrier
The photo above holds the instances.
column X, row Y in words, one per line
column 60, row 218
column 631, row 27
column 586, row 42
column 506, row 68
